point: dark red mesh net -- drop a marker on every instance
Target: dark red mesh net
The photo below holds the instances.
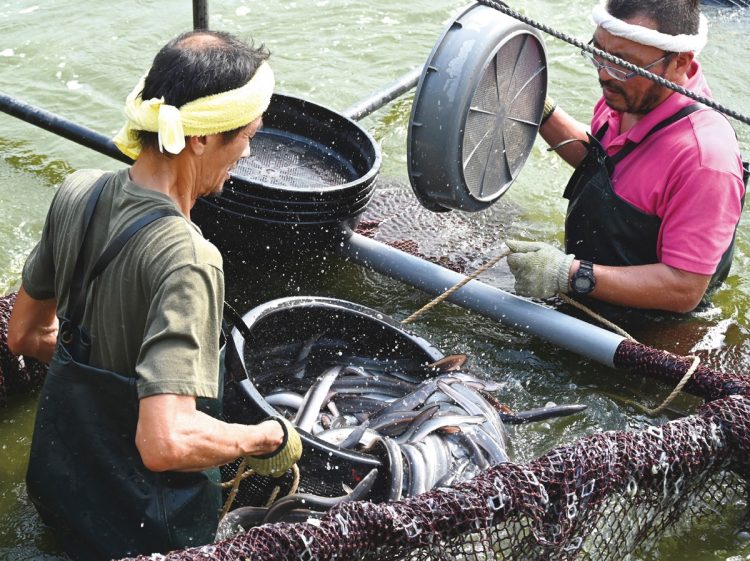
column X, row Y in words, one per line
column 603, row 497
column 705, row 382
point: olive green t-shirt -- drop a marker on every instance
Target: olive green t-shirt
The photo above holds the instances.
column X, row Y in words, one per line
column 155, row 311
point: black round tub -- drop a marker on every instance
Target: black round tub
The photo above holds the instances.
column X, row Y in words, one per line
column 277, row 335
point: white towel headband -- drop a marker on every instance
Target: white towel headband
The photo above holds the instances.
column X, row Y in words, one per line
column 651, row 37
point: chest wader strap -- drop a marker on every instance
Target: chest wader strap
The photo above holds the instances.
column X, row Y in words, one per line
column 72, row 335
column 78, row 284
column 600, row 226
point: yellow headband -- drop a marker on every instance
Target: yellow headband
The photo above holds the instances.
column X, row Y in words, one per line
column 212, row 114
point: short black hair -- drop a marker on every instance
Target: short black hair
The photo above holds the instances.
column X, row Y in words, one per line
column 197, row 64
column 673, row 17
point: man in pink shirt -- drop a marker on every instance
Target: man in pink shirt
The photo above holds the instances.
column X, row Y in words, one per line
column 657, row 192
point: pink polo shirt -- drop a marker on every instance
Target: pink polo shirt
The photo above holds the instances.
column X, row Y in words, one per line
column 689, row 174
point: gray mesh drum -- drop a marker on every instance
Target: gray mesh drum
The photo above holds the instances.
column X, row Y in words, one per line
column 476, row 111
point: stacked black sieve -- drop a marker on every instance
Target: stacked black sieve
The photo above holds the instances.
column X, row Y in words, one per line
column 310, row 175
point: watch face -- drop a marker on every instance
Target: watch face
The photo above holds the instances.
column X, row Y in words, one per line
column 582, row 284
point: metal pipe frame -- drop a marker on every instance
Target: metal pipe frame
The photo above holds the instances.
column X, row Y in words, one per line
column 62, row 127
column 382, row 97
column 200, row 14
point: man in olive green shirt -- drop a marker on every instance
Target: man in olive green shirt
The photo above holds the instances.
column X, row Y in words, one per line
column 127, row 435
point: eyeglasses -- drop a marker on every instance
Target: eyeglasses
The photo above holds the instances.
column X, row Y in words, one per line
column 615, row 71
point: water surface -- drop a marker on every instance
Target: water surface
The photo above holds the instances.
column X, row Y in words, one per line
column 79, row 60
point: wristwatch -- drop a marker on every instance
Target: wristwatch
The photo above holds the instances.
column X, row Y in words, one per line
column 583, row 280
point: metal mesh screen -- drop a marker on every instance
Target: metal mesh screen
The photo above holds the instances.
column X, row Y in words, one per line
column 285, row 160
column 503, row 117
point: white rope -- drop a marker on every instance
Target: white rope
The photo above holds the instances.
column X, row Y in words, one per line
column 645, row 36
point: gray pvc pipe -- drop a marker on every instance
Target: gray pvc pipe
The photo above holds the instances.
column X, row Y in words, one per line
column 564, row 331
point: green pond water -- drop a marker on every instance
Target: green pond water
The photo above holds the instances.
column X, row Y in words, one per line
column 80, row 59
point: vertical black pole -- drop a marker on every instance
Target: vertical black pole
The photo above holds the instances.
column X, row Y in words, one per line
column 200, row 14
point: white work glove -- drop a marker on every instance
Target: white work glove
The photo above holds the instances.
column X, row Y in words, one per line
column 278, row 462
column 541, row 270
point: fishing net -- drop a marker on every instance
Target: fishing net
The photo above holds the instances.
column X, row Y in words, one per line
column 608, row 495
column 395, row 218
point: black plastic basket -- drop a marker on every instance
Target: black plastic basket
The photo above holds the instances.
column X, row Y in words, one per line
column 277, row 331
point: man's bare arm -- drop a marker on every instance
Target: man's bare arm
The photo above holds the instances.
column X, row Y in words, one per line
column 561, row 127
column 172, row 435
column 32, row 328
column 656, row 286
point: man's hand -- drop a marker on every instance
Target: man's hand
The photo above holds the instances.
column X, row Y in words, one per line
column 284, row 457
column 541, row 270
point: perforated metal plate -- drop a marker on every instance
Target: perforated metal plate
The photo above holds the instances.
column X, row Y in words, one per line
column 477, row 110
column 307, row 152
column 284, row 160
